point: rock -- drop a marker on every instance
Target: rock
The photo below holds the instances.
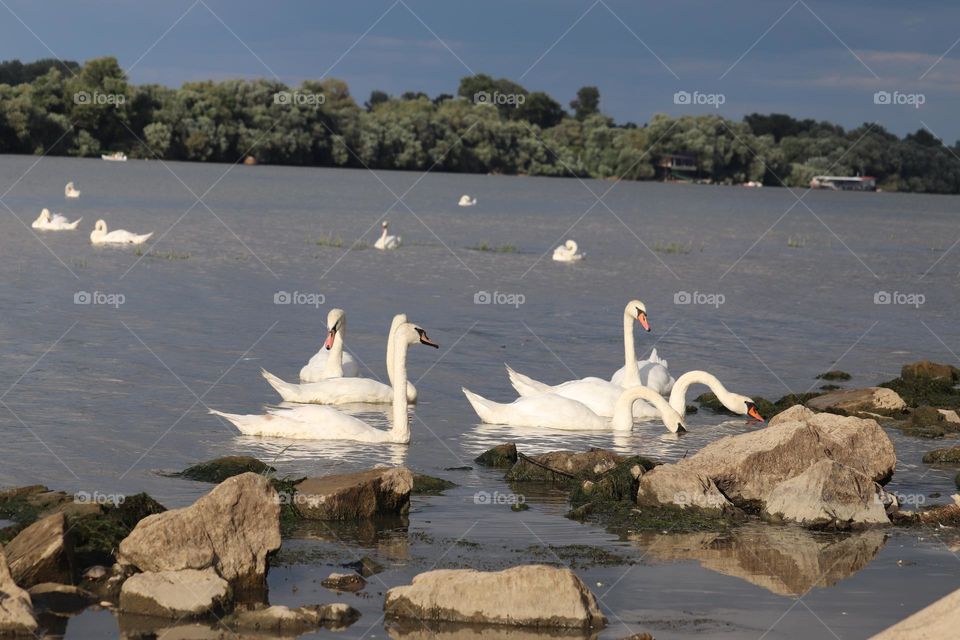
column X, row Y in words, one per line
column 344, row 582
column 828, row 494
column 502, row 456
column 16, row 609
column 680, row 486
column 796, row 413
column 96, row 572
column 746, row 467
column 366, row 566
column 355, row 496
column 98, row 535
column 60, row 598
column 188, row 593
column 938, row 620
column 528, row 595
column 949, row 415
column 950, row 455
column 563, row 465
column 424, row 485
column 927, row 422
column 280, row 619
column 41, row 553
column 220, row 469
column 926, row 370
column 231, row 529
column 834, row 375
column 638, row 636
column 852, row 401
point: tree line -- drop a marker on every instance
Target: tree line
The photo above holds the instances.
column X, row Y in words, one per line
column 489, row 126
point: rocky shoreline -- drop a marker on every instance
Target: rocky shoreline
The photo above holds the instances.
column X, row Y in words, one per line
column 818, row 466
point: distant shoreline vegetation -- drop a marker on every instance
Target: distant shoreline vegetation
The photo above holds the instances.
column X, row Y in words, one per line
column 490, row 126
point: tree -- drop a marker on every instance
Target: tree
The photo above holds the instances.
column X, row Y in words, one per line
column 587, row 103
column 377, row 97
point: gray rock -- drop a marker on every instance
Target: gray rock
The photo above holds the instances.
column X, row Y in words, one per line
column 344, row 582
column 527, row 596
column 187, row 593
column 681, row 486
column 355, row 496
column 855, row 401
column 16, row 609
column 939, row 620
column 41, row 553
column 284, row 620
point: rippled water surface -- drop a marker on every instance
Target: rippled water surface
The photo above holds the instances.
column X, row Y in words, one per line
column 97, row 398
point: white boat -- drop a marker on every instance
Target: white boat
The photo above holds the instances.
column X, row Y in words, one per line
column 116, row 156
column 70, row 191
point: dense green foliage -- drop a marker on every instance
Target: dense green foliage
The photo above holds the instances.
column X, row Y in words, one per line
column 323, row 125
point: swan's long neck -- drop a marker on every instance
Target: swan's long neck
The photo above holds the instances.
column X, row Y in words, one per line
column 334, row 366
column 401, row 423
column 398, row 320
column 631, row 377
column 623, row 411
column 572, row 246
column 678, row 395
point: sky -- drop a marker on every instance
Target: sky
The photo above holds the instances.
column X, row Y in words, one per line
column 808, row 58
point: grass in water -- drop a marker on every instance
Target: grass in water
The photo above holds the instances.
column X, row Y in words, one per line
column 674, row 248
column 485, row 246
column 163, row 255
column 798, row 242
column 329, row 240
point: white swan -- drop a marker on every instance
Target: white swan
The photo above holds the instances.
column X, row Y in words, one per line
column 601, row 396
column 467, row 201
column 55, row 222
column 552, row 411
column 330, row 361
column 567, row 252
column 317, row 422
column 69, row 191
column 385, row 241
column 344, row 390
column 653, row 372
column 99, row 235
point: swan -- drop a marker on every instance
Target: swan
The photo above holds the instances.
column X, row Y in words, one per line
column 601, row 396
column 556, row 412
column 385, row 241
column 69, row 191
column 567, row 252
column 330, row 361
column 317, row 422
column 54, row 222
column 99, row 235
column 653, row 371
column 344, row 390
column 467, row 201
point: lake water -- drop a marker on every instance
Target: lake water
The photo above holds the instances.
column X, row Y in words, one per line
column 98, row 398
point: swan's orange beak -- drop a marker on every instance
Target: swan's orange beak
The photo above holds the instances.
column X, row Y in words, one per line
column 642, row 319
column 754, row 413
column 427, row 341
column 330, row 335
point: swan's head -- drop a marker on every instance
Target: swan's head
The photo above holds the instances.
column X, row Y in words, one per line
column 336, row 320
column 741, row 405
column 571, row 245
column 45, row 215
column 672, row 420
column 100, row 226
column 398, row 320
column 409, row 333
column 385, row 225
column 638, row 311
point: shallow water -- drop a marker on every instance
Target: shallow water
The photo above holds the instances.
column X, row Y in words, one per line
column 99, row 398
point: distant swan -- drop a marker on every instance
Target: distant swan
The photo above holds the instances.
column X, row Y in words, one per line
column 552, row 411
column 567, row 252
column 55, row 222
column 99, row 235
column 344, row 390
column 318, row 422
column 467, row 201
column 330, row 361
column 385, row 241
column 70, row 191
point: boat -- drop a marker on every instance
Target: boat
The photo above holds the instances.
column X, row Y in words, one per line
column 116, row 156
column 844, row 183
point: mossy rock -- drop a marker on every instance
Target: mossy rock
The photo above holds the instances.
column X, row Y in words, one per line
column 926, row 370
column 96, row 537
column 502, row 456
column 624, row 517
column 917, row 392
column 927, row 422
column 956, row 480
column 950, row 455
column 424, row 485
column 830, row 387
column 220, row 469
column 766, row 408
column 616, row 485
column 834, row 375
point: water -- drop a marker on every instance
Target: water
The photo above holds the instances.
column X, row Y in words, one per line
column 100, row 399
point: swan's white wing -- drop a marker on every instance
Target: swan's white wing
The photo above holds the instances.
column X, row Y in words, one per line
column 313, row 371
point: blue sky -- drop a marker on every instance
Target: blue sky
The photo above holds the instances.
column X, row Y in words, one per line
column 816, row 59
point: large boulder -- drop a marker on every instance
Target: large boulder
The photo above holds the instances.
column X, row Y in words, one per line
column 680, row 486
column 41, row 553
column 231, row 529
column 926, row 370
column 529, row 596
column 828, row 494
column 854, row 401
column 939, row 620
column 355, row 496
column 16, row 609
column 188, row 593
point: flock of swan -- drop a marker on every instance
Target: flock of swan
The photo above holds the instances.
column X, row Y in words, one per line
column 47, row 221
column 636, row 391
